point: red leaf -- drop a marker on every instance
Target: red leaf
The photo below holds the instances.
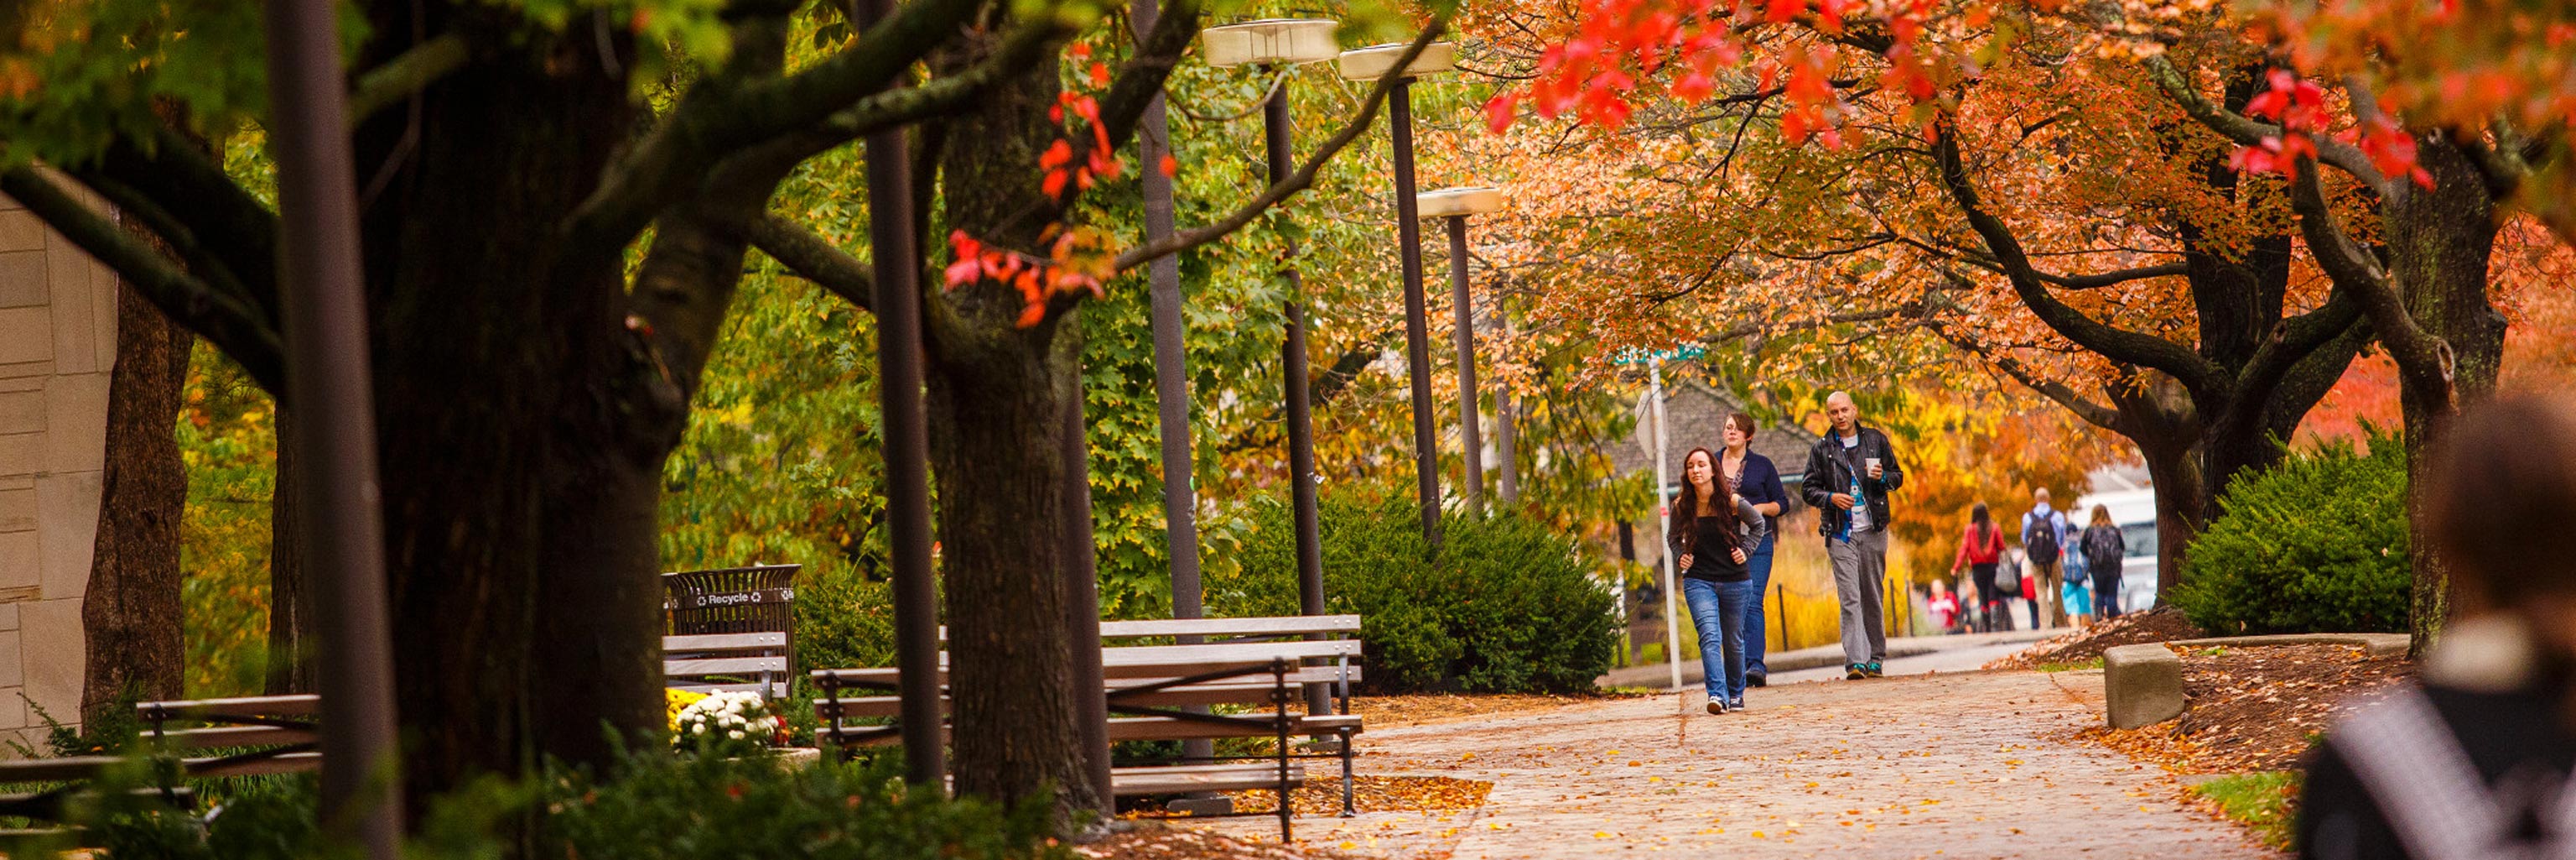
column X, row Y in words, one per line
column 1782, row 11
column 1054, row 184
column 1171, row 166
column 1100, row 74
column 1033, row 314
column 1498, row 111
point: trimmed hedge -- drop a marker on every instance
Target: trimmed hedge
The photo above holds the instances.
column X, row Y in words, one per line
column 1506, row 605
column 2317, row 544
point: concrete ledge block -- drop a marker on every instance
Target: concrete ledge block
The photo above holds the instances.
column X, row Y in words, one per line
column 2141, row 685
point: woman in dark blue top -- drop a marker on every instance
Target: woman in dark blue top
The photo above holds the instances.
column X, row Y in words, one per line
column 1755, row 479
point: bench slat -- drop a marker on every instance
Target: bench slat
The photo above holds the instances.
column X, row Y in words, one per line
column 246, row 706
column 1217, row 693
column 724, row 666
column 1133, row 781
column 1168, row 729
column 238, row 736
column 723, row 641
column 1144, row 661
column 1285, row 625
column 64, row 769
column 297, row 762
column 763, row 689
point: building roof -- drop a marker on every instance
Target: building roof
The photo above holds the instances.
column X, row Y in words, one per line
column 1697, row 412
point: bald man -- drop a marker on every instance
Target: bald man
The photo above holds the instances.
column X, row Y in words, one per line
column 1849, row 474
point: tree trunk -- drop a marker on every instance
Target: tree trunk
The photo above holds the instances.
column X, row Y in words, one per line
column 290, row 603
column 131, row 614
column 520, row 449
column 998, row 394
column 2439, row 242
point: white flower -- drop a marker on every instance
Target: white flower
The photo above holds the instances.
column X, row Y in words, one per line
column 698, row 729
column 735, row 734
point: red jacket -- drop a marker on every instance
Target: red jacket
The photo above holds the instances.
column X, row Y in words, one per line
column 1972, row 551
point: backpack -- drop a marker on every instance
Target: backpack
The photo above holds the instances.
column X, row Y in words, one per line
column 2042, row 545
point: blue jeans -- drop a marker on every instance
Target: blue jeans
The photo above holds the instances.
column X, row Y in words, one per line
column 1717, row 609
column 1755, row 631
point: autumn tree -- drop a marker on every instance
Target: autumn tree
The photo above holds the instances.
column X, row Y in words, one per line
column 549, row 261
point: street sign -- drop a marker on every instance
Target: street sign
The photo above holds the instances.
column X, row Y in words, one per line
column 1634, row 355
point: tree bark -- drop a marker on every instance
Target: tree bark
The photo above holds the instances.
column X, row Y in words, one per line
column 997, row 397
column 131, row 614
column 520, row 430
column 2439, row 243
column 290, row 604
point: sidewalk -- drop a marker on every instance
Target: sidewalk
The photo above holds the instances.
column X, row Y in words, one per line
column 1657, row 676
column 1980, row 764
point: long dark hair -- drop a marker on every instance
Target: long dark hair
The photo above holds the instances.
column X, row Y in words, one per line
column 1686, row 511
column 1983, row 519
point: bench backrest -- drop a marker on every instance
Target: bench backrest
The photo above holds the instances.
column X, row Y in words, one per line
column 1275, row 627
column 731, row 662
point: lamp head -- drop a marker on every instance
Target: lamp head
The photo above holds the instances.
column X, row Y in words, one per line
column 1472, row 200
column 1278, row 40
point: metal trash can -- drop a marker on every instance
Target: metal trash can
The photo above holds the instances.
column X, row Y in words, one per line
column 757, row 599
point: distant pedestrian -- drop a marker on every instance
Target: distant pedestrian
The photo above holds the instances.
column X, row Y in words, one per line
column 1711, row 531
column 2044, row 538
column 1943, row 607
column 1757, row 479
column 1981, row 548
column 1849, row 474
column 2473, row 759
column 2104, row 547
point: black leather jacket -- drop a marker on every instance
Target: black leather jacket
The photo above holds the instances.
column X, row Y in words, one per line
column 1830, row 468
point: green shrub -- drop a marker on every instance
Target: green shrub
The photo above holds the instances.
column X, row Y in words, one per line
column 842, row 619
column 1507, row 605
column 659, row 806
column 2315, row 544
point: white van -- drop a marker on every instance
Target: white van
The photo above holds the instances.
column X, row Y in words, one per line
column 2135, row 513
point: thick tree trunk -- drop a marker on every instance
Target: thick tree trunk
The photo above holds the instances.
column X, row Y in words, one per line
column 2175, row 470
column 2439, row 242
column 131, row 613
column 998, row 394
column 519, row 454
column 290, row 603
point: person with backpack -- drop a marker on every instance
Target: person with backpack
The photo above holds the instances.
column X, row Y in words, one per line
column 1849, row 474
column 2043, row 543
column 1981, row 548
column 2103, row 548
column 2473, row 757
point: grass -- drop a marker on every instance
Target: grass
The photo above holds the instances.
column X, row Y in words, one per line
column 2094, row 663
column 2261, row 801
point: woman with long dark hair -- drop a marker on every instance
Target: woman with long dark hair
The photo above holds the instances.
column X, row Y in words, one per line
column 1981, row 549
column 1712, row 531
column 2103, row 547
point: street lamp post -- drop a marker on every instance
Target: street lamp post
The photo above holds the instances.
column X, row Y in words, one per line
column 1453, row 205
column 1279, row 43
column 1373, row 63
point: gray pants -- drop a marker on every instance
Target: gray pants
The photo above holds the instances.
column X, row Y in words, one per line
column 1860, row 579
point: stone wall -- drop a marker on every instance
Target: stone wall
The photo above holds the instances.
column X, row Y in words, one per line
column 57, row 342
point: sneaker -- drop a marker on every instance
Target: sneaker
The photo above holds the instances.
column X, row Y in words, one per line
column 1736, row 705
column 1855, row 672
column 1717, row 706
column 1754, row 679
column 1873, row 670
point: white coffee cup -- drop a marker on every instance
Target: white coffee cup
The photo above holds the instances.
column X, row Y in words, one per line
column 1870, row 462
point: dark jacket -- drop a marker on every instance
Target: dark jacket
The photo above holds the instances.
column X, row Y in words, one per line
column 1681, row 537
column 2103, row 548
column 1830, row 469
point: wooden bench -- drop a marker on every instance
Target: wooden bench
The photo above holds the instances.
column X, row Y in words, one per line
column 1264, row 661
column 727, row 662
column 277, row 734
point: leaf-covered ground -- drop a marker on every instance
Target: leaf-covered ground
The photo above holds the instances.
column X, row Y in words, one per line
column 2253, row 709
column 1155, row 841
column 2077, row 646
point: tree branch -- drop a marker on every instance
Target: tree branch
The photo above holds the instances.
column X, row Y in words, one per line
column 719, row 117
column 233, row 227
column 2422, row 357
column 2093, row 413
column 2117, row 344
column 1300, row 180
column 2246, row 131
column 406, row 74
column 815, row 259
column 231, row 324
